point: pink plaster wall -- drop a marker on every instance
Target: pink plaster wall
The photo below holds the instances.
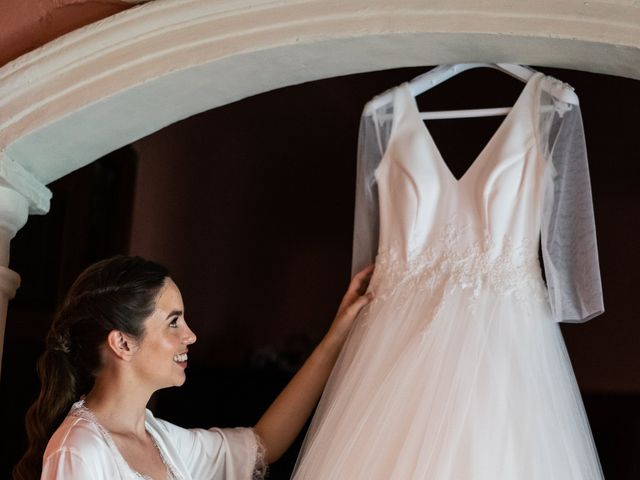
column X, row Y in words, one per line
column 28, row 24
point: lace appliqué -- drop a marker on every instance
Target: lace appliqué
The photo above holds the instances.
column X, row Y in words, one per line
column 504, row 268
column 261, row 468
column 561, row 107
column 558, row 105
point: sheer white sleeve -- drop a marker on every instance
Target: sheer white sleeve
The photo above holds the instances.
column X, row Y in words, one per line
column 375, row 127
column 568, row 234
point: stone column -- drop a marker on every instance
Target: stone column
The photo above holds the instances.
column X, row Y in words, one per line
column 20, row 195
column 14, row 210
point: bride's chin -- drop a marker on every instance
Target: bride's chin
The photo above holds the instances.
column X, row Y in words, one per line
column 181, row 381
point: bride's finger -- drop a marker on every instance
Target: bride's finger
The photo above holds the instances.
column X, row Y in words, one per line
column 360, row 280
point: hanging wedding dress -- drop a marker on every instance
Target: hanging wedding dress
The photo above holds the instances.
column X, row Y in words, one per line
column 457, row 369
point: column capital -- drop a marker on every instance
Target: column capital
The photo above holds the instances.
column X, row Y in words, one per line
column 15, row 177
column 14, row 210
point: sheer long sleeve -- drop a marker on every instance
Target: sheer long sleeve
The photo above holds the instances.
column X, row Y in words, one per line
column 375, row 127
column 568, row 233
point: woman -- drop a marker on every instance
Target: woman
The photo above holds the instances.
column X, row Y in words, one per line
column 119, row 336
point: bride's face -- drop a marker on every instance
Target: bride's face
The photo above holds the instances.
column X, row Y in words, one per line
column 161, row 358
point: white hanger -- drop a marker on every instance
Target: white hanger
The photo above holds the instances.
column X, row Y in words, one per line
column 424, row 82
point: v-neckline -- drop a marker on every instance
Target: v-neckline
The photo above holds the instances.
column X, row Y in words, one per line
column 498, row 132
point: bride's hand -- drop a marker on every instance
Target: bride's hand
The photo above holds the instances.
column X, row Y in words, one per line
column 352, row 302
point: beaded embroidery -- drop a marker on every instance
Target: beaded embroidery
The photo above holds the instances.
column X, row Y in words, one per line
column 504, row 267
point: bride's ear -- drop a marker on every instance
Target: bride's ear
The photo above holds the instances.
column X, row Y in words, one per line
column 121, row 344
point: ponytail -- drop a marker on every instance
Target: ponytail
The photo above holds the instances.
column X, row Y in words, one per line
column 57, row 394
column 114, row 294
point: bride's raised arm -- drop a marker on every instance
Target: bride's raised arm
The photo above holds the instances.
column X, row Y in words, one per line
column 281, row 423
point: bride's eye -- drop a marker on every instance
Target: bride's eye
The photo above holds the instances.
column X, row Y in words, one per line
column 174, row 322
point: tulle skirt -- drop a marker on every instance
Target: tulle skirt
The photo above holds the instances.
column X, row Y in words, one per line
column 452, row 384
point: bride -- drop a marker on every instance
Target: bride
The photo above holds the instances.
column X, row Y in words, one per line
column 120, row 335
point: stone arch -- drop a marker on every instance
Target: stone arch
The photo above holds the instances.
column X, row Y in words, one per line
column 112, row 82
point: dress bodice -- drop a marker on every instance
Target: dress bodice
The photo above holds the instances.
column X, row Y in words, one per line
column 496, row 202
column 479, row 231
column 528, row 188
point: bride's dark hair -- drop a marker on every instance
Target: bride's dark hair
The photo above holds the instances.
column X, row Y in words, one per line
column 118, row 293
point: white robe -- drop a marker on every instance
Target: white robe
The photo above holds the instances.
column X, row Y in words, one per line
column 82, row 449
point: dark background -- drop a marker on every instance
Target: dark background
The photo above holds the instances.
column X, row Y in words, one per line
column 251, row 207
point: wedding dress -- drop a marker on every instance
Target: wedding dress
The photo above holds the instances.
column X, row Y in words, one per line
column 457, row 369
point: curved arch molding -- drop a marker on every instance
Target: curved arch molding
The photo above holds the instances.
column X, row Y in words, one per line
column 112, row 82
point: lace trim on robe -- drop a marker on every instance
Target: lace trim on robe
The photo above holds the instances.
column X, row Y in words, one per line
column 81, row 411
column 261, row 468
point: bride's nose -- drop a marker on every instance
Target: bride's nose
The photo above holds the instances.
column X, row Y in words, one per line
column 189, row 337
